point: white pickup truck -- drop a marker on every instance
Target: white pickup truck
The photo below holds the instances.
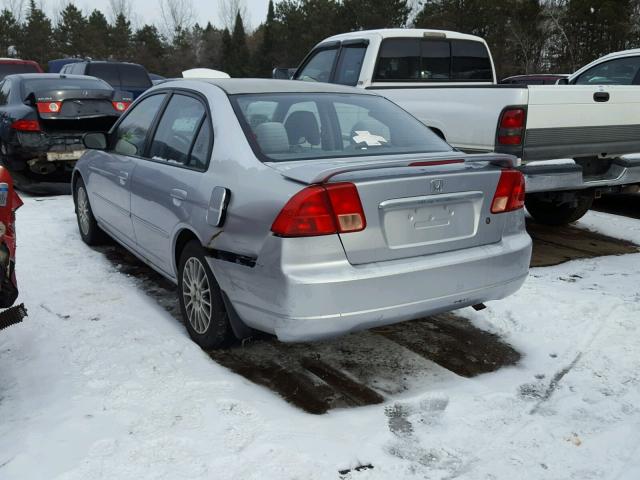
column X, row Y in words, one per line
column 574, row 141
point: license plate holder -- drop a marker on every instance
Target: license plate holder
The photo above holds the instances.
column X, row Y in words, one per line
column 64, row 156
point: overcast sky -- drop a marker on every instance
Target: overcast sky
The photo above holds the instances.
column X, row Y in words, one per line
column 148, row 11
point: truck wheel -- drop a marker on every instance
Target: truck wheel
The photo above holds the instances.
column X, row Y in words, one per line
column 201, row 303
column 90, row 232
column 559, row 209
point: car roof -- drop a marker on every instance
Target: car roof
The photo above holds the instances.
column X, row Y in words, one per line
column 15, row 60
column 236, row 86
column 110, row 62
column 48, row 76
column 403, row 33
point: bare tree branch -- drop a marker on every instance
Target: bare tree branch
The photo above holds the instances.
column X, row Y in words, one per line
column 16, row 7
column 228, row 11
column 177, row 15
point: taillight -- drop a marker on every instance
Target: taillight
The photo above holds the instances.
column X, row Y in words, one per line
column 511, row 126
column 49, row 107
column 321, row 210
column 509, row 194
column 121, row 106
column 26, row 125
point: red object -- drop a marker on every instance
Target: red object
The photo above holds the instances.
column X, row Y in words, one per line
column 16, row 61
column 9, row 203
column 321, row 210
column 512, row 123
column 26, row 125
column 49, row 107
column 509, row 194
column 121, row 106
column 435, row 162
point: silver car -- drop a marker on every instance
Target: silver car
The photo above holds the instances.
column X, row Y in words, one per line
column 305, row 210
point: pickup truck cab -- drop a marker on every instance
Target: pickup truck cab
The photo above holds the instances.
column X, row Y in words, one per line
column 617, row 68
column 573, row 141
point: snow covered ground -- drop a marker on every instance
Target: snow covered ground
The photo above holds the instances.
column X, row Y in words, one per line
column 100, row 382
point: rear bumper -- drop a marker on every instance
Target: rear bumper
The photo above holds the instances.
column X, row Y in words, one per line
column 303, row 295
column 565, row 174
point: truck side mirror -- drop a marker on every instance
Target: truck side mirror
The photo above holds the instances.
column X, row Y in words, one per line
column 280, row 73
column 563, row 81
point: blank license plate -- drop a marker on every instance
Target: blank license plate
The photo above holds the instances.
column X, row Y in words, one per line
column 55, row 156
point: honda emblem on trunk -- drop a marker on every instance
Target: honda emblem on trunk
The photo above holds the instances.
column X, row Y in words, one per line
column 437, row 186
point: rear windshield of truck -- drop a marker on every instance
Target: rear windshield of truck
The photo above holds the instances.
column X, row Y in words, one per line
column 15, row 68
column 120, row 75
column 42, row 84
column 432, row 60
column 299, row 126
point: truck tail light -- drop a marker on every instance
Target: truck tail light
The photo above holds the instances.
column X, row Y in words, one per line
column 509, row 194
column 121, row 106
column 321, row 210
column 49, row 107
column 26, row 125
column 511, row 126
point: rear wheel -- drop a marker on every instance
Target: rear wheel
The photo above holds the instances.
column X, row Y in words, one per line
column 90, row 232
column 558, row 208
column 201, row 303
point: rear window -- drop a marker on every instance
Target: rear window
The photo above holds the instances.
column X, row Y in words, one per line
column 32, row 85
column 106, row 71
column 432, row 60
column 134, row 76
column 14, row 68
column 296, row 126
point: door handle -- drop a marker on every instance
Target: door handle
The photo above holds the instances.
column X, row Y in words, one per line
column 601, row 96
column 178, row 196
column 123, row 177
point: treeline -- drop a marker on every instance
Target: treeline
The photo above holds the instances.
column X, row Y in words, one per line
column 525, row 36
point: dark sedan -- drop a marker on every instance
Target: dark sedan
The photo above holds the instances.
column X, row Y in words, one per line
column 44, row 116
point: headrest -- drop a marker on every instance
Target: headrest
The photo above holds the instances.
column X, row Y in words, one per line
column 272, row 137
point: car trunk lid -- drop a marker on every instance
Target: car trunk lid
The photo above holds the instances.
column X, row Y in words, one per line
column 418, row 206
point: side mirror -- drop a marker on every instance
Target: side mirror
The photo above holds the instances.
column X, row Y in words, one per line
column 95, row 140
column 283, row 73
column 563, row 81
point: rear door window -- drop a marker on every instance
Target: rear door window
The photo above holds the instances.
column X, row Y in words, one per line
column 319, row 67
column 399, row 60
column 199, row 158
column 350, row 64
column 436, row 60
column 131, row 134
column 470, row 61
column 621, row 71
column 177, row 130
column 106, row 71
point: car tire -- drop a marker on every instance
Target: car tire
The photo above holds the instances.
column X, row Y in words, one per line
column 555, row 212
column 201, row 302
column 90, row 232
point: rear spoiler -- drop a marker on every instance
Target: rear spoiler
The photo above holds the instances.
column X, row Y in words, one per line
column 318, row 171
column 72, row 94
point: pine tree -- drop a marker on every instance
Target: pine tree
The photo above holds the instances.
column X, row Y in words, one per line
column 369, row 14
column 150, row 50
column 240, row 66
column 212, row 47
column 227, row 51
column 70, row 33
column 265, row 61
column 36, row 35
column 120, row 38
column 97, row 36
column 9, row 31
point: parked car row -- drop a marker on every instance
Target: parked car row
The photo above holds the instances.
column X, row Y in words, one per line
column 311, row 208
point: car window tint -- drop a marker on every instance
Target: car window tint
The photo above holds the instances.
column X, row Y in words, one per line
column 470, row 61
column 132, row 131
column 318, row 69
column 177, row 129
column 436, row 60
column 134, row 76
column 200, row 151
column 350, row 64
column 106, row 71
column 620, row 71
column 399, row 59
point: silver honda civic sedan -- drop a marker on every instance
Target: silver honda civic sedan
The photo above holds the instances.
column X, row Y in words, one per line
column 305, row 210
